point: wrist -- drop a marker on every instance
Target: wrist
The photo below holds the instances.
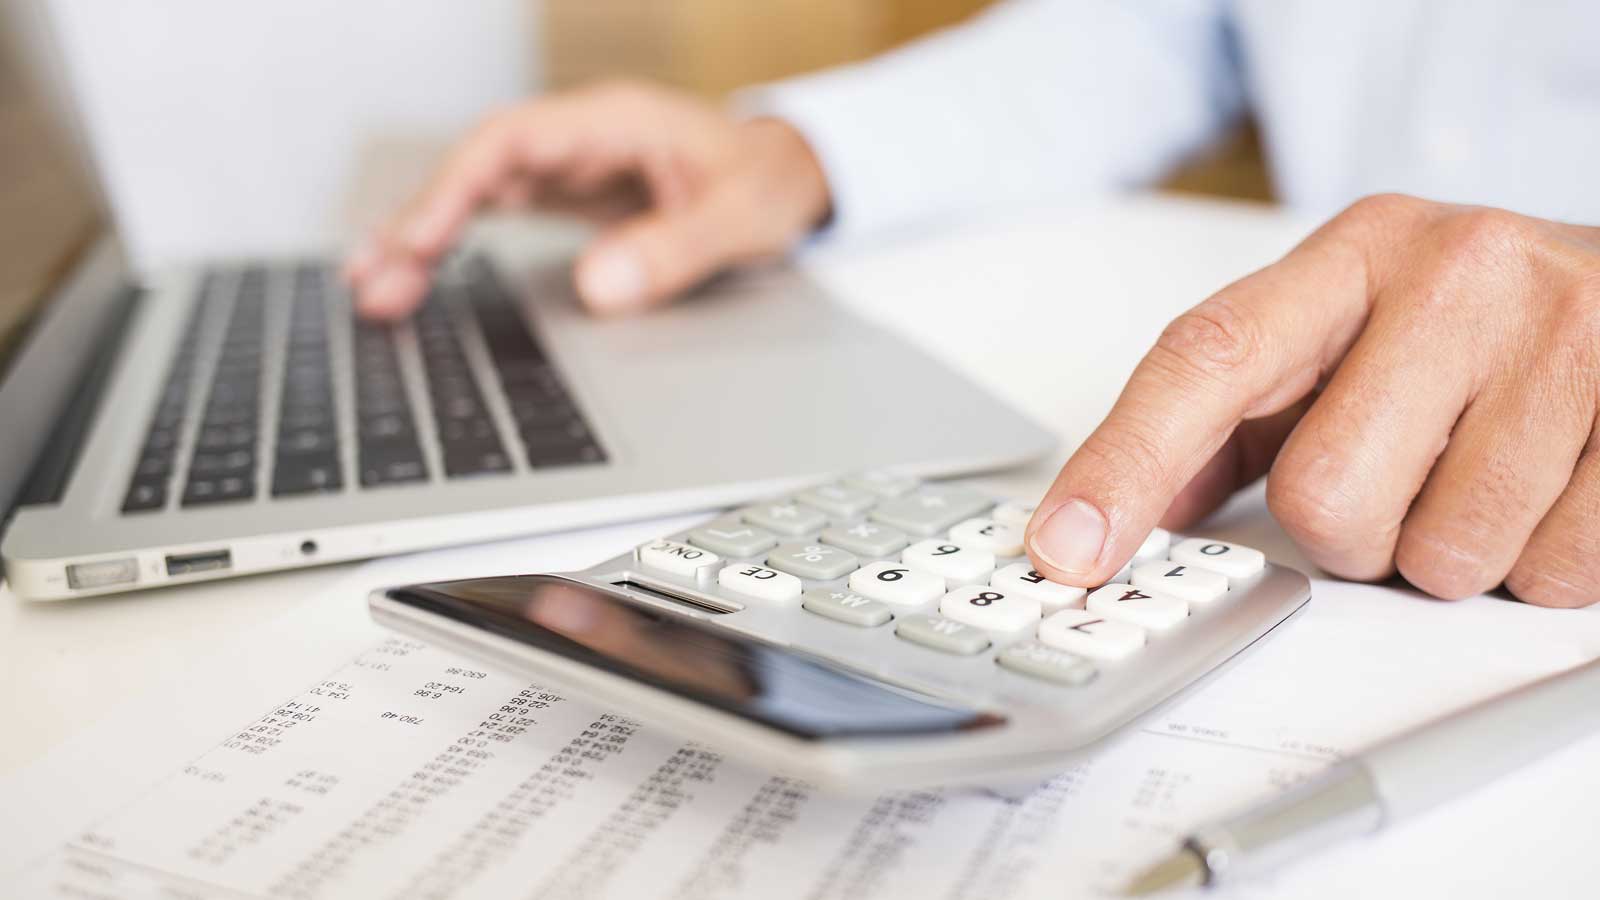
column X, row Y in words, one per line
column 796, row 172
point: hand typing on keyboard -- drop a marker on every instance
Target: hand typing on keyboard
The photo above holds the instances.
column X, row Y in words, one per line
column 715, row 191
column 1418, row 382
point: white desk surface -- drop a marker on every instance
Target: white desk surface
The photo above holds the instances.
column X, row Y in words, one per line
column 1050, row 309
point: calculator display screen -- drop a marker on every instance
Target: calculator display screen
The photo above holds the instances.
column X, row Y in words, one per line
column 780, row 688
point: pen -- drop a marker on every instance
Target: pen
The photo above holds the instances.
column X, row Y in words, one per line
column 1399, row 777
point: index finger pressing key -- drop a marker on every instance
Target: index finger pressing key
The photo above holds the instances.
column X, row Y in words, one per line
column 1251, row 350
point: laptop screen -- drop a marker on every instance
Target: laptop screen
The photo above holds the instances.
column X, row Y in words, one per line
column 49, row 210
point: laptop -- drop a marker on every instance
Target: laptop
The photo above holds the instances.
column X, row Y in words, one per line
column 233, row 417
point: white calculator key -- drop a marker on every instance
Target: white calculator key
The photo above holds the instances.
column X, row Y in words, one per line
column 884, row 484
column 896, row 583
column 1233, row 560
column 955, row 563
column 785, row 517
column 1139, row 606
column 1013, row 512
column 989, row 534
column 1090, row 634
column 1022, row 580
column 985, row 607
column 1154, row 547
column 838, row 500
column 675, row 557
column 760, row 582
column 1184, row 582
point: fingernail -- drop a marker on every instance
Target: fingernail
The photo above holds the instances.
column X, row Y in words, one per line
column 612, row 278
column 1071, row 538
column 386, row 288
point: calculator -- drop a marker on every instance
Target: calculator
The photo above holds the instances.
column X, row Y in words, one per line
column 871, row 632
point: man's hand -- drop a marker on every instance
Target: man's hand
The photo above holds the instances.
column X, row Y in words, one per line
column 690, row 189
column 1420, row 381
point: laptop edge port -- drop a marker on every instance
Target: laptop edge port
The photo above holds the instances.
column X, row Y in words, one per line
column 103, row 573
column 194, row 563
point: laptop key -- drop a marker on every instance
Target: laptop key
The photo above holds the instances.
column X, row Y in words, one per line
column 395, row 471
column 217, row 490
column 146, row 495
column 306, row 474
column 475, row 461
column 211, row 465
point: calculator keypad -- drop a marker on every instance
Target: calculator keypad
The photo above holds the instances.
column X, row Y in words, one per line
column 945, row 565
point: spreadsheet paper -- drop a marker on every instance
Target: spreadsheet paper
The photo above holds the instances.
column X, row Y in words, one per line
column 326, row 757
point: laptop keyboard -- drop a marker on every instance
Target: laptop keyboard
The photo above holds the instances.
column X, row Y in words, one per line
column 305, row 455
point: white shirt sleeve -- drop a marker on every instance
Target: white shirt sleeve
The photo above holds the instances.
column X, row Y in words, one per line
column 1033, row 100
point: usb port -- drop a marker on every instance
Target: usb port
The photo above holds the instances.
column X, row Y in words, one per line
column 192, row 563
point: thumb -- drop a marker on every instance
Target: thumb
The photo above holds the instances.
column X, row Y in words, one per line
column 652, row 257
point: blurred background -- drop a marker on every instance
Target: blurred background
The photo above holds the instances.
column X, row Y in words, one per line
column 290, row 126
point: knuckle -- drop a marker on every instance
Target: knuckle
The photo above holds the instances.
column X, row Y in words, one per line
column 1215, row 339
column 623, row 92
column 1380, row 209
column 1579, row 310
column 1442, row 565
column 1541, row 587
column 1482, row 237
column 1552, row 570
column 1316, row 513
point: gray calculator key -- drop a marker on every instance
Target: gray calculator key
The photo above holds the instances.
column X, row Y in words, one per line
column 808, row 559
column 944, row 634
column 931, row 510
column 785, row 517
column 838, row 500
column 733, row 538
column 847, row 606
column 866, row 539
column 1043, row 661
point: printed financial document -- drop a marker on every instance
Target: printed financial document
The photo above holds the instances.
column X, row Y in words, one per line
column 326, row 757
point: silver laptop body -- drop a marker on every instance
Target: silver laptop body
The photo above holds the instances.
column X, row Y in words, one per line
column 146, row 443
